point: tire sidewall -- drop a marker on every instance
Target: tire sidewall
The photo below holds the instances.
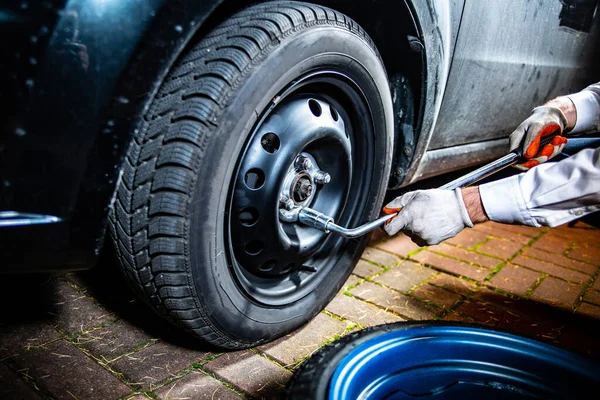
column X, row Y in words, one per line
column 299, row 53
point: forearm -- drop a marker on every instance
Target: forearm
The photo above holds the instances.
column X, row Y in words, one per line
column 474, row 205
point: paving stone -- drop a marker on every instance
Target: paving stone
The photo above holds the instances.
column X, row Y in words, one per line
column 250, row 372
column 404, row 276
column 557, row 293
column 591, row 310
column 197, row 385
column 596, row 284
column 113, row 340
column 76, row 279
column 380, row 257
column 513, row 237
column 547, row 319
column 22, row 336
column 500, row 248
column 146, row 368
column 360, row 312
column 304, row 341
column 592, row 296
column 465, row 255
column 497, row 318
column 586, row 254
column 365, row 269
column 524, row 308
column 467, row 238
column 514, row 279
column 451, row 265
column 74, row 311
column 456, row 317
column 65, row 372
column 12, row 386
column 391, row 300
column 582, row 339
column 561, row 260
column 400, row 244
column 551, row 244
column 453, row 284
column 587, row 237
column 551, row 269
column 519, row 229
column 436, row 295
column 351, row 281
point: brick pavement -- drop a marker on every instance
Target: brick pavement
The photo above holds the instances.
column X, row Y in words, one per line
column 82, row 335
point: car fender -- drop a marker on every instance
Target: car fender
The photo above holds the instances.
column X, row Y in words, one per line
column 438, row 22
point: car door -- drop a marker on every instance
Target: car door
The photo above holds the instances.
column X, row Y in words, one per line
column 510, row 56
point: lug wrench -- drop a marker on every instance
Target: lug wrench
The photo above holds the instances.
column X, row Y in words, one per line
column 325, row 223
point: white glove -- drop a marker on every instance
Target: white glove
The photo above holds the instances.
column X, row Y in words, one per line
column 542, row 122
column 428, row 216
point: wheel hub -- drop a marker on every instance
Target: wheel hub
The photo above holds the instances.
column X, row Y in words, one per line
column 302, row 182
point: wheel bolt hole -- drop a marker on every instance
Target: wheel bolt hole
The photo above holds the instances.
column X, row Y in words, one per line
column 270, row 142
column 268, row 266
column 334, row 114
column 254, row 247
column 249, row 216
column 255, row 178
column 315, row 107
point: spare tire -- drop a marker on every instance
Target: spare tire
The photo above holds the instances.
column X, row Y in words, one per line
column 441, row 360
column 284, row 105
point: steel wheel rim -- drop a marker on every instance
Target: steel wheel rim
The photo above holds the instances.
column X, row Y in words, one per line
column 287, row 281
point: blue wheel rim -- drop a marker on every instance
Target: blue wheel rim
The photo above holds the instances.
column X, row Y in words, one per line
column 460, row 362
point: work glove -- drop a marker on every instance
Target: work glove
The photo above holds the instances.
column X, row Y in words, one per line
column 543, row 121
column 428, row 216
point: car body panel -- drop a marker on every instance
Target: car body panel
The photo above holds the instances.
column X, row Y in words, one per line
column 510, row 57
column 506, row 69
column 438, row 22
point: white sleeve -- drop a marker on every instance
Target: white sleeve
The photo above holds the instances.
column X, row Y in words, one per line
column 587, row 104
column 550, row 194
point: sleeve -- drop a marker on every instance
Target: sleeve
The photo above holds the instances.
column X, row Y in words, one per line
column 550, row 194
column 587, row 104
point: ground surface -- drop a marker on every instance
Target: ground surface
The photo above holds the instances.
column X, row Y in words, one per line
column 83, row 335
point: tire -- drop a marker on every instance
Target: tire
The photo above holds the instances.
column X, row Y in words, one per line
column 436, row 359
column 181, row 237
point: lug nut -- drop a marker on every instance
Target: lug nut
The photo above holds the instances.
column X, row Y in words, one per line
column 322, row 178
column 304, row 163
column 286, row 202
column 302, row 190
column 306, row 190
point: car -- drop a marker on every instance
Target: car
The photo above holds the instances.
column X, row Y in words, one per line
column 184, row 136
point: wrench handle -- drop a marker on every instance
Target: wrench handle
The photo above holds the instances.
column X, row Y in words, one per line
column 483, row 172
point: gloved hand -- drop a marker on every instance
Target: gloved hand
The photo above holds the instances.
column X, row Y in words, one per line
column 543, row 121
column 428, row 216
